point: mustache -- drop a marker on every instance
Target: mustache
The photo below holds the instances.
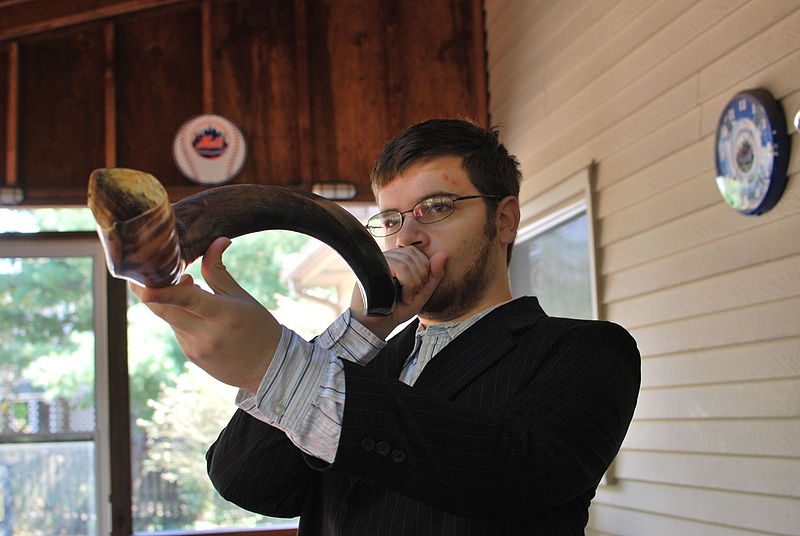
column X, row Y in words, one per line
column 150, row 241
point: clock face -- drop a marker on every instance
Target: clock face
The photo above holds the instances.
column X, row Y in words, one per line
column 752, row 152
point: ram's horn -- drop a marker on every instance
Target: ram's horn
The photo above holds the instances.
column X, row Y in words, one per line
column 150, row 241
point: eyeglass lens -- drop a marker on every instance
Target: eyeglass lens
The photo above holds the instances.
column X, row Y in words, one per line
column 428, row 210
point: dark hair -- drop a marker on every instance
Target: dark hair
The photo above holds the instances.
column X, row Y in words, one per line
column 487, row 162
column 489, row 166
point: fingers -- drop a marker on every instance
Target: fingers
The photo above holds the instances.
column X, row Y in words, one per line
column 214, row 272
column 181, row 305
column 411, row 268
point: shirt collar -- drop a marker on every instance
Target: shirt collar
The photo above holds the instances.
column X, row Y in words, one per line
column 454, row 329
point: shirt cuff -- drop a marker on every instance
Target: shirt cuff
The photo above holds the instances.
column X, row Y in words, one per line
column 292, row 380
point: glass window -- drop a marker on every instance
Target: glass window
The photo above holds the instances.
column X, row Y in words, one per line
column 50, row 445
column 554, row 257
column 45, row 219
column 54, row 457
column 553, row 264
column 177, row 410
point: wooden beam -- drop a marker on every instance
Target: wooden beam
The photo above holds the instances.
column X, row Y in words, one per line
column 304, row 140
column 40, row 16
column 206, row 49
column 110, row 138
column 479, row 64
column 119, row 408
column 12, row 115
column 9, row 3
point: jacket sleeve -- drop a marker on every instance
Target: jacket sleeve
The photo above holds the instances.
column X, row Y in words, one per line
column 547, row 443
column 256, row 467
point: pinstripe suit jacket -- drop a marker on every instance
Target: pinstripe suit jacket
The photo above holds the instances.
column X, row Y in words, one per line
column 508, row 430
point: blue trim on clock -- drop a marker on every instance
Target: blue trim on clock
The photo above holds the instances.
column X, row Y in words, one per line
column 775, row 132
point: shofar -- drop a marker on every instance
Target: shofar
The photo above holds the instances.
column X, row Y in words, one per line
column 149, row 241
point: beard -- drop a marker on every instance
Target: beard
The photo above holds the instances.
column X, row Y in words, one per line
column 453, row 298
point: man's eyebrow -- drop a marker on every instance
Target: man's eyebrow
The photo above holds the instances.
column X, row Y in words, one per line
column 437, row 193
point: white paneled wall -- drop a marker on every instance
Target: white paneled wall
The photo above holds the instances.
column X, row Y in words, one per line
column 712, row 296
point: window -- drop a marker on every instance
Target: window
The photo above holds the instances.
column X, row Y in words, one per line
column 70, row 436
column 553, row 256
column 54, row 459
column 177, row 410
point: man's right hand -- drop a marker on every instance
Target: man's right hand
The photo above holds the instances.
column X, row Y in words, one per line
column 419, row 278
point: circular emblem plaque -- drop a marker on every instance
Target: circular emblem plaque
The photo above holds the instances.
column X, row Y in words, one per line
column 209, row 149
column 752, row 152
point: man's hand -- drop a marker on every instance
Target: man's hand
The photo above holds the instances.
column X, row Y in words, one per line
column 419, row 277
column 228, row 333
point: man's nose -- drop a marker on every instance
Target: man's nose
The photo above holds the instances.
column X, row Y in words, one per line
column 412, row 233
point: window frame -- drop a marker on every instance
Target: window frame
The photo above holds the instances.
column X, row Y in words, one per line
column 543, row 211
column 114, row 494
column 548, row 209
column 82, row 244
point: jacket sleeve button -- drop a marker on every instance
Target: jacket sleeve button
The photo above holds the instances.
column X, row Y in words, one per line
column 368, row 444
column 383, row 448
column 398, row 456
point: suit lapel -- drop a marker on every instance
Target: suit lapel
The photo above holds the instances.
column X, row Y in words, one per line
column 472, row 352
column 391, row 359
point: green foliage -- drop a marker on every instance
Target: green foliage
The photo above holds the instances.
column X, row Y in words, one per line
column 66, row 374
column 46, row 310
column 154, row 359
column 256, row 260
column 185, row 421
column 45, row 302
column 62, row 503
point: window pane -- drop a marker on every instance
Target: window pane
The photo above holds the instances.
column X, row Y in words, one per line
column 178, row 410
column 47, row 489
column 46, row 219
column 47, row 396
column 554, row 266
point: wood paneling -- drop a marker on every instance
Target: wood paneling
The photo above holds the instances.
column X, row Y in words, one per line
column 4, row 109
column 710, row 295
column 159, row 86
column 771, row 515
column 727, row 328
column 766, row 399
column 779, row 358
column 725, row 254
column 767, row 476
column 607, row 518
column 60, row 113
column 747, row 437
column 347, row 81
column 257, row 81
column 317, row 86
column 29, row 17
column 751, row 285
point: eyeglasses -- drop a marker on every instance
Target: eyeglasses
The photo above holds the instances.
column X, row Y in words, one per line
column 429, row 210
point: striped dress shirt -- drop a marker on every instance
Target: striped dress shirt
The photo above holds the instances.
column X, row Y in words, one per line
column 303, row 391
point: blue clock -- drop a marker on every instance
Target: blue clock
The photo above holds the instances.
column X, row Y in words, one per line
column 752, row 152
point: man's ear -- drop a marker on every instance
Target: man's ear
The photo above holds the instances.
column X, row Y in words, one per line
column 507, row 219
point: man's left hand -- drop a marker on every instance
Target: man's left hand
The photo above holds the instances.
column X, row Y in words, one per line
column 229, row 334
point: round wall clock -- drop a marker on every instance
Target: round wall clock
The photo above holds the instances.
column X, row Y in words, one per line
column 752, row 152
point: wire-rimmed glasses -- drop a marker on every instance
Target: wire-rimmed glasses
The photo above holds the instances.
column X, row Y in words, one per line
column 430, row 210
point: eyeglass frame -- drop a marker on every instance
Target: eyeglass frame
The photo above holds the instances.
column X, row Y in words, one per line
column 452, row 197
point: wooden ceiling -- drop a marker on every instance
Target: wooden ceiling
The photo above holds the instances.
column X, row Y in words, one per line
column 317, row 86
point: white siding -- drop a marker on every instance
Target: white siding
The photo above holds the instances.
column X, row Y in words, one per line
column 712, row 296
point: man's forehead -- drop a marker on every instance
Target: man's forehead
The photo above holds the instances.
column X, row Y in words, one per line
column 422, row 180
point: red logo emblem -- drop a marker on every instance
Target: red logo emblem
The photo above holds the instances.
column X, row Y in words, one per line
column 210, row 142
